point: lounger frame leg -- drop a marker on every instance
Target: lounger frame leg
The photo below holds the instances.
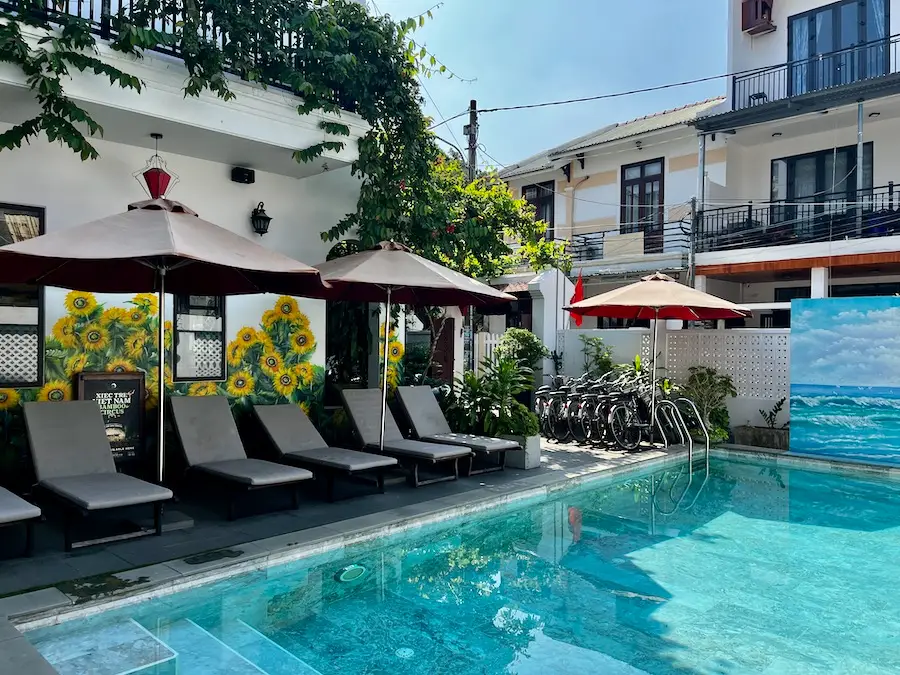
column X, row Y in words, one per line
column 29, row 538
column 68, row 526
column 232, row 506
column 329, row 486
column 500, row 466
column 380, row 481
column 295, row 497
column 158, row 518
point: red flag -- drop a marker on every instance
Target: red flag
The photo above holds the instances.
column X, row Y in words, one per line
column 577, row 296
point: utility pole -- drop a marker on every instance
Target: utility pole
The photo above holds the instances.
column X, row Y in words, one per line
column 471, row 131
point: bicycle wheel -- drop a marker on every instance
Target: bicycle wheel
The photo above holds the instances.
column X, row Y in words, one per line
column 559, row 425
column 623, row 427
column 573, row 417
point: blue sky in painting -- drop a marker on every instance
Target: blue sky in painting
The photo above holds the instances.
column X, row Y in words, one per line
column 846, row 342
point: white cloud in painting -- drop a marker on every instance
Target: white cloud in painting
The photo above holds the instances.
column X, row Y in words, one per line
column 852, row 341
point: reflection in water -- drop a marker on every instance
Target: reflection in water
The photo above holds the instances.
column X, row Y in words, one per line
column 756, row 569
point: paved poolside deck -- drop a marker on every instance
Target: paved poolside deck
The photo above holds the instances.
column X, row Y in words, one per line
column 53, row 579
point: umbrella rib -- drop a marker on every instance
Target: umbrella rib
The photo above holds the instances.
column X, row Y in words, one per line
column 43, row 276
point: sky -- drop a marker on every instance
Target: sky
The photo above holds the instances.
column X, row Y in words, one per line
column 528, row 51
column 846, row 342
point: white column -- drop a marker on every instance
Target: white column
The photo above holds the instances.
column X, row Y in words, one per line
column 700, row 283
column 819, row 282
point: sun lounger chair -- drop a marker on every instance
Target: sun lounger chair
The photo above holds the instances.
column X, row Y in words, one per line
column 211, row 444
column 298, row 443
column 74, row 465
column 14, row 511
column 430, row 425
column 364, row 409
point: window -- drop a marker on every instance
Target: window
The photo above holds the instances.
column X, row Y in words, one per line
column 21, row 306
column 838, row 44
column 542, row 197
column 642, row 202
column 199, row 337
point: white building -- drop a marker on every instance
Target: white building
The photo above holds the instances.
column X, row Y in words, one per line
column 815, row 94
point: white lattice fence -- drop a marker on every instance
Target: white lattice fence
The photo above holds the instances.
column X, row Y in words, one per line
column 485, row 344
column 758, row 360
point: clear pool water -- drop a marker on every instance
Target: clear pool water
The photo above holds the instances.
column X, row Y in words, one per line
column 759, row 570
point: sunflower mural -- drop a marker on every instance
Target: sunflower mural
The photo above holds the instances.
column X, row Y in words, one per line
column 395, row 356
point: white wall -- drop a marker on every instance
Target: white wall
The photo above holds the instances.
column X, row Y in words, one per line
column 73, row 192
column 625, row 345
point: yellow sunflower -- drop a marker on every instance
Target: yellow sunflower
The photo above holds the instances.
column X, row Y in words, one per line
column 76, row 364
column 270, row 363
column 134, row 343
column 167, row 327
column 241, row 383
column 153, row 378
column 9, row 398
column 147, row 301
column 300, row 322
column 120, row 366
column 56, row 390
column 395, row 351
column 392, row 377
column 286, row 308
column 302, row 342
column 265, row 340
column 64, row 332
column 285, row 382
column 269, row 317
column 80, row 304
column 94, row 337
column 150, row 398
column 203, row 389
column 247, row 336
column 134, row 317
column 306, row 373
column 304, row 406
column 113, row 315
column 235, row 353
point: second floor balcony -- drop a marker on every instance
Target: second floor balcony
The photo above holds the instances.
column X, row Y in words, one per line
column 636, row 242
column 868, row 70
column 825, row 218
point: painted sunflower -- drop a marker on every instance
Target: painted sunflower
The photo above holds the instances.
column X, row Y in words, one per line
column 134, row 343
column 241, row 383
column 153, row 378
column 94, row 337
column 306, row 373
column 76, row 364
column 147, row 301
column 300, row 322
column 286, row 308
column 304, row 406
column 247, row 336
column 64, row 332
column 151, row 400
column 269, row 317
column 9, row 398
column 393, row 377
column 112, row 316
column 302, row 342
column 56, row 390
column 203, row 389
column 80, row 304
column 235, row 353
column 270, row 363
column 285, row 382
column 120, row 366
column 395, row 351
column 134, row 317
column 167, row 327
column 265, row 340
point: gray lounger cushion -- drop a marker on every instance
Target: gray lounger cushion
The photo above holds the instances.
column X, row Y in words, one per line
column 364, row 408
column 14, row 509
column 97, row 491
column 297, row 439
column 211, row 443
column 430, row 425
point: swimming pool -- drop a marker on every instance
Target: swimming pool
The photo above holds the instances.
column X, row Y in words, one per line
column 759, row 569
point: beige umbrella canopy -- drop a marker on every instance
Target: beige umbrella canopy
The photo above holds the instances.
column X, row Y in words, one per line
column 391, row 272
column 657, row 297
column 157, row 245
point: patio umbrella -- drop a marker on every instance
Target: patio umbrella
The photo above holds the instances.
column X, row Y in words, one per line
column 390, row 272
column 157, row 245
column 657, row 297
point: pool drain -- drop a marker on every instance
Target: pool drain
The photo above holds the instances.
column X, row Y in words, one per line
column 350, row 573
column 405, row 653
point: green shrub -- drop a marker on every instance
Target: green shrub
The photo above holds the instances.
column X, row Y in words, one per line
column 518, row 344
column 597, row 356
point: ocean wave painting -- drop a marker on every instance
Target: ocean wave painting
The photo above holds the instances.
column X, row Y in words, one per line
column 845, row 378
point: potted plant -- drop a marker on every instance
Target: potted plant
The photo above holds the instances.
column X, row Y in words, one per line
column 526, row 348
column 769, row 436
column 710, row 390
column 484, row 403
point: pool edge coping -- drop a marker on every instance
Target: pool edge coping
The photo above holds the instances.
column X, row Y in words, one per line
column 262, row 554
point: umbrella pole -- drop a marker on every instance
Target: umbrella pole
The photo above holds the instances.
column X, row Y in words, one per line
column 384, row 376
column 161, row 393
column 653, row 376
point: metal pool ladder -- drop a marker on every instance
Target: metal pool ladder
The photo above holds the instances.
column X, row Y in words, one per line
column 676, row 420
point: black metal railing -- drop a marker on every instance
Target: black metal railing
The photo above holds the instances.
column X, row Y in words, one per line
column 672, row 237
column 99, row 14
column 823, row 218
column 867, row 61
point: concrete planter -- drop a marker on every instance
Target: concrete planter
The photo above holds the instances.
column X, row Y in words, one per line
column 763, row 437
column 529, row 458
